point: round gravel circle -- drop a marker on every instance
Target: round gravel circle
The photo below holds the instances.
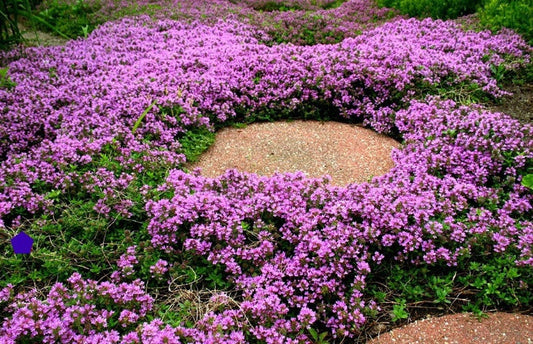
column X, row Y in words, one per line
column 346, row 152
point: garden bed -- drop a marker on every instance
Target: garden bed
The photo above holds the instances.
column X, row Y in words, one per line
column 129, row 247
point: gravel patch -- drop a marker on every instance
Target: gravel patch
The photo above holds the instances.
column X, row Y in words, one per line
column 346, row 152
column 463, row 328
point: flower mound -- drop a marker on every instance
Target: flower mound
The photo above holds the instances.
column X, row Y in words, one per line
column 79, row 313
column 301, row 249
column 298, row 250
column 72, row 103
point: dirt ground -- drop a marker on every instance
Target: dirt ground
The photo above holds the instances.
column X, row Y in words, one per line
column 519, row 105
column 35, row 37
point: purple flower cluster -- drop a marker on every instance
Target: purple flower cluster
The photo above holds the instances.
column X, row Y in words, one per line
column 126, row 264
column 72, row 103
column 298, row 249
column 312, row 25
column 301, row 249
column 78, row 313
column 159, row 269
column 308, row 21
column 309, row 266
column 289, row 4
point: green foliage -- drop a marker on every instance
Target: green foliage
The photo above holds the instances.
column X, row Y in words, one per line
column 527, row 181
column 497, row 282
column 239, row 125
column 11, row 13
column 479, row 282
column 141, row 117
column 9, row 32
column 196, row 141
column 214, row 276
column 77, row 237
column 317, row 30
column 526, row 172
column 71, row 19
column 399, row 311
column 270, row 6
column 177, row 315
column 312, row 110
column 513, row 14
column 318, row 338
column 5, row 81
column 505, row 183
column 498, row 72
column 464, row 93
column 441, row 9
column 332, row 4
column 60, row 247
column 493, row 14
column 78, row 240
column 442, row 289
column 521, row 76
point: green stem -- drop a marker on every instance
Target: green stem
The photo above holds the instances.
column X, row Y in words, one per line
column 139, row 120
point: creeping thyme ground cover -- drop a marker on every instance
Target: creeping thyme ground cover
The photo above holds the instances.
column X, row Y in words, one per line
column 91, row 167
column 299, row 22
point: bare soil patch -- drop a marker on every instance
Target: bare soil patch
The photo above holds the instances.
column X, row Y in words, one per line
column 519, row 105
column 35, row 37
